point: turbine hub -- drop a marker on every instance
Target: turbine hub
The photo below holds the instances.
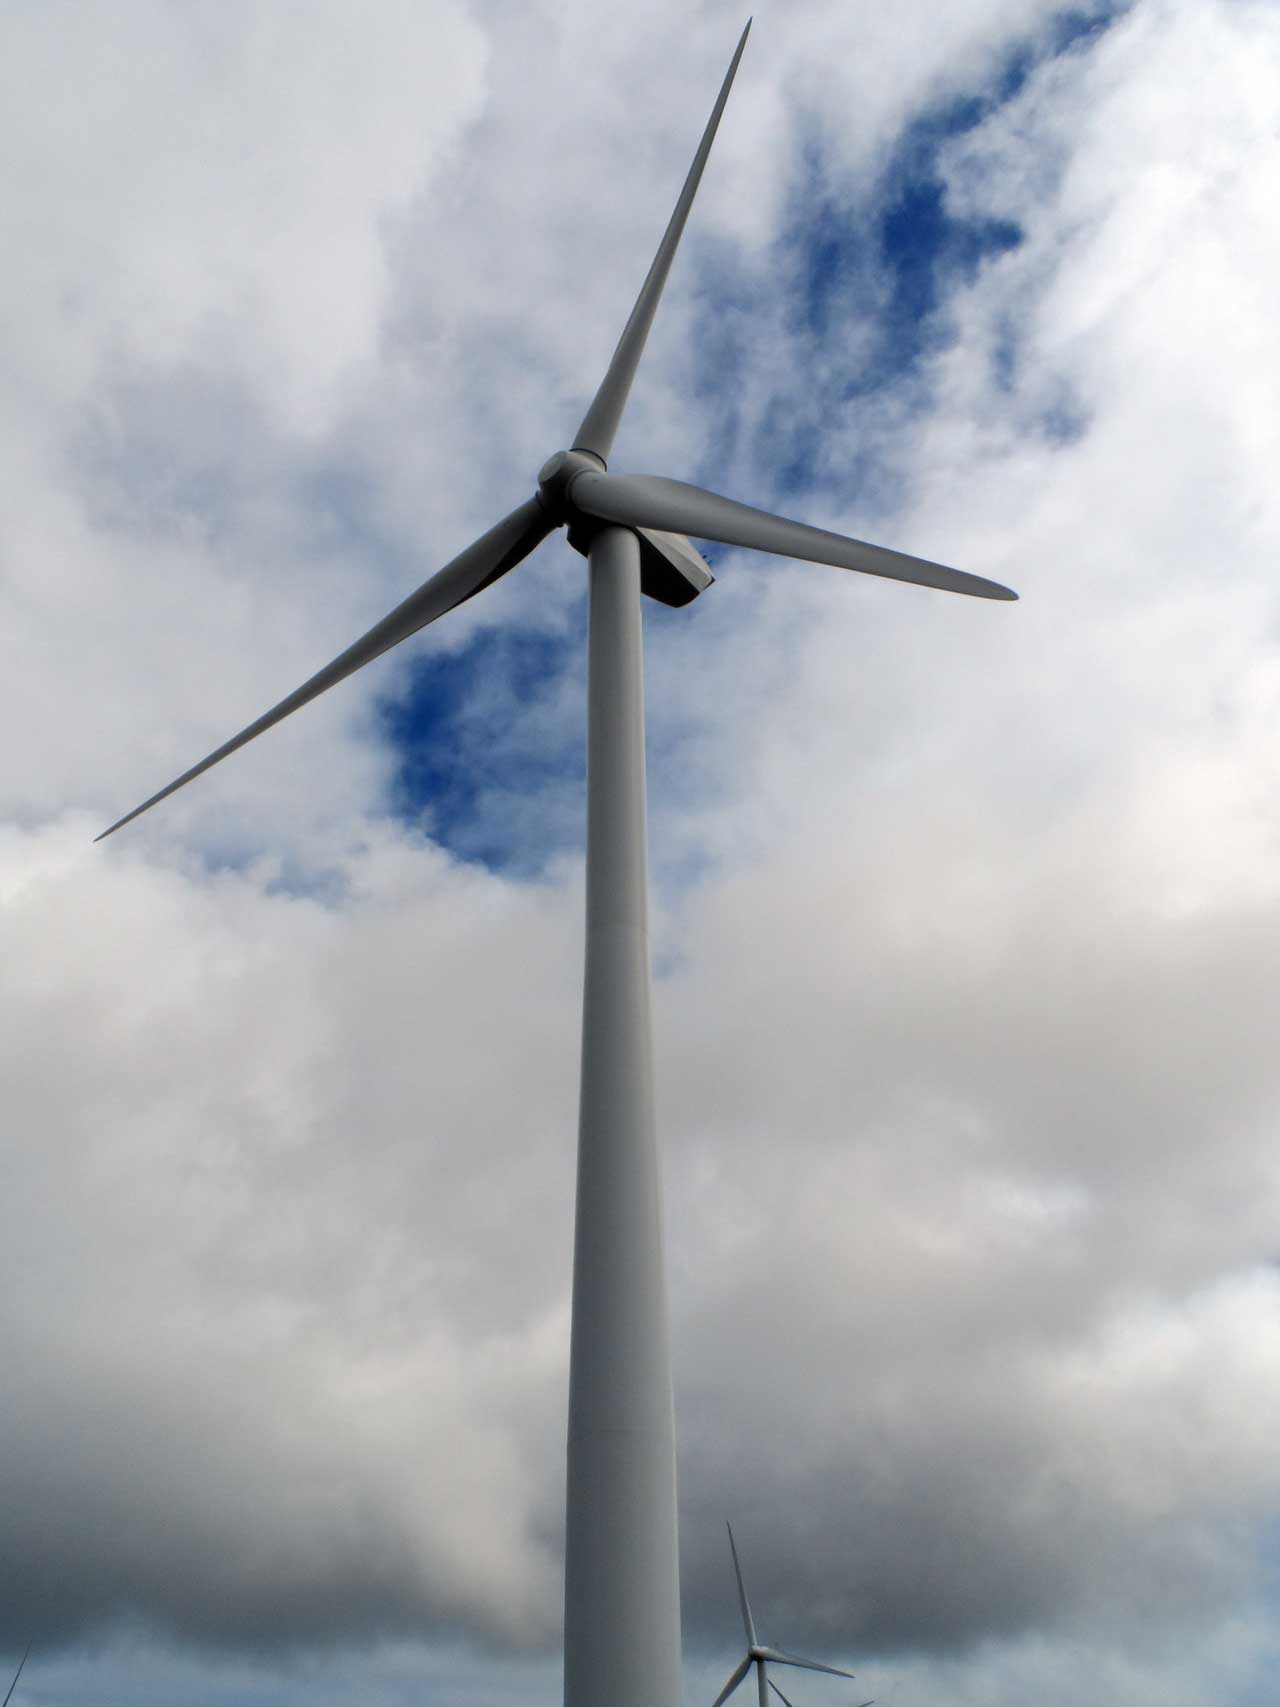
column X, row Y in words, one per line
column 558, row 474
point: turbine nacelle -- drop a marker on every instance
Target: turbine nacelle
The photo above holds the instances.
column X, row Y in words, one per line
column 672, row 570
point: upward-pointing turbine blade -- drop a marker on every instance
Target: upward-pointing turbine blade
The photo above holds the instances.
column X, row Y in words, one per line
column 747, row 1623
column 468, row 574
column 781, row 1657
column 732, row 1684
column 600, row 422
column 17, row 1674
column 649, row 500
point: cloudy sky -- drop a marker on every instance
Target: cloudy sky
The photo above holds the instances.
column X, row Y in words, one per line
column 967, row 916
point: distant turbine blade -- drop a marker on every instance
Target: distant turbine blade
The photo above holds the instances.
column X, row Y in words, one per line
column 773, row 1686
column 732, row 1684
column 17, row 1674
column 649, row 500
column 747, row 1623
column 781, row 1657
column 600, row 422
column 468, row 574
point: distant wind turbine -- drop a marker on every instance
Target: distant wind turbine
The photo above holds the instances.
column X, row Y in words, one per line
column 622, row 1591
column 17, row 1674
column 759, row 1656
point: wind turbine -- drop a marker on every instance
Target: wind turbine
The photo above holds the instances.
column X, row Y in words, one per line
column 759, row 1656
column 622, row 1598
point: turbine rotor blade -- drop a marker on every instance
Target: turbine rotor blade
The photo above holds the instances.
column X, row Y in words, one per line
column 733, row 1683
column 773, row 1686
column 470, row 572
column 600, row 422
column 17, row 1674
column 650, row 500
column 748, row 1623
column 781, row 1657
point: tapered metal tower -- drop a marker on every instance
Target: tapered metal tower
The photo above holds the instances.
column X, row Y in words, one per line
column 622, row 1595
column 622, row 1590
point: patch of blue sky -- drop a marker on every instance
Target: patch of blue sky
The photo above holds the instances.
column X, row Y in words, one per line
column 884, row 265
column 887, row 263
column 491, row 744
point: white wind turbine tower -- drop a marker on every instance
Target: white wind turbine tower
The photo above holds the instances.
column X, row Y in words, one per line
column 760, row 1656
column 622, row 1599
